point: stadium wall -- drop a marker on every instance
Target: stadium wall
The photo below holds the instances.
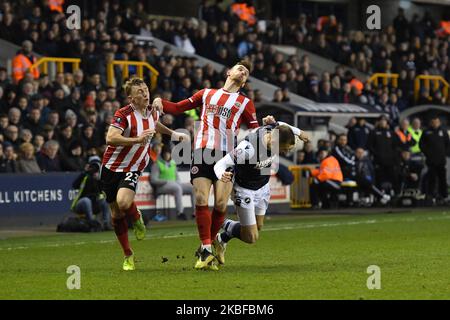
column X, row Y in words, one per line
column 32, row 200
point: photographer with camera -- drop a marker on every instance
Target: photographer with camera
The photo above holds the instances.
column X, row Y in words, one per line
column 91, row 199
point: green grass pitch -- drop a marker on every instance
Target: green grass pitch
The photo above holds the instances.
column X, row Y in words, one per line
column 320, row 257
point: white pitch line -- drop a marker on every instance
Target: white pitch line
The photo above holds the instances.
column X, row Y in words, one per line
column 444, row 216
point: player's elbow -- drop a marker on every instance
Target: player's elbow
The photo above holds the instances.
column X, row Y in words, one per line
column 111, row 139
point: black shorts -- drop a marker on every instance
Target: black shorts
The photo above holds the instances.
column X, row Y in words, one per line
column 112, row 181
column 202, row 164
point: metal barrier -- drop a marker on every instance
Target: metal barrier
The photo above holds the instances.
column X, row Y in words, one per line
column 300, row 197
column 44, row 61
column 426, row 79
column 125, row 72
column 386, row 77
column 421, row 81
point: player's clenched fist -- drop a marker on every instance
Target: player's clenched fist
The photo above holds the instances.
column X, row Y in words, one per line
column 146, row 136
column 157, row 104
column 304, row 137
column 179, row 136
column 227, row 176
column 268, row 120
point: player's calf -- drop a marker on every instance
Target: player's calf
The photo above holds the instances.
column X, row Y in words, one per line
column 249, row 234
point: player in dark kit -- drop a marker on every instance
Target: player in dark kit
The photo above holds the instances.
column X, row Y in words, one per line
column 251, row 163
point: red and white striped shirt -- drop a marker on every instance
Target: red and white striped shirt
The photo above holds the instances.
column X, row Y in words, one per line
column 132, row 123
column 221, row 116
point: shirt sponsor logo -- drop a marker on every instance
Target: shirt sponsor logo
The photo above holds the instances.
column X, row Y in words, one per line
column 219, row 111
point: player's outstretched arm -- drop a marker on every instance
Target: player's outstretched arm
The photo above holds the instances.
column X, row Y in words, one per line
column 244, row 151
column 115, row 138
column 176, row 136
column 220, row 168
column 179, row 107
column 300, row 133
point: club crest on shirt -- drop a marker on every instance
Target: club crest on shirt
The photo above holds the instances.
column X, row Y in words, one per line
column 194, row 170
column 117, row 119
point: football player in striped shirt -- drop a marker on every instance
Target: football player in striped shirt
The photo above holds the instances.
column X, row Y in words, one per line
column 222, row 112
column 126, row 155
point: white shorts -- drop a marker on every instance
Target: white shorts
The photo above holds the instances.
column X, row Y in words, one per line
column 250, row 203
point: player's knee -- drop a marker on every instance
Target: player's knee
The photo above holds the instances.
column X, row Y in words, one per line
column 201, row 199
column 221, row 205
column 123, row 203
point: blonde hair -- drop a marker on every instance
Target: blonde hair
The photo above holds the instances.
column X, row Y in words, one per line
column 132, row 82
column 26, row 146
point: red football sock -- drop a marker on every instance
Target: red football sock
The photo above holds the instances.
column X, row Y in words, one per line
column 218, row 217
column 132, row 212
column 121, row 230
column 203, row 218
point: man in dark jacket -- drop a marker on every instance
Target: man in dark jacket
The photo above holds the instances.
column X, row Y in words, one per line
column 365, row 176
column 383, row 144
column 434, row 143
column 90, row 199
column 358, row 135
column 345, row 156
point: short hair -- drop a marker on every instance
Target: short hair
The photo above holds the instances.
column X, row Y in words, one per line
column 246, row 64
column 51, row 143
column 132, row 82
column 286, row 135
column 26, row 146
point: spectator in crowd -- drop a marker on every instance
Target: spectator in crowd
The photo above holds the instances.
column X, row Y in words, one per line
column 3, row 161
column 48, row 158
column 74, row 160
column 409, row 171
column 155, row 152
column 10, row 156
column 327, row 180
column 365, row 176
column 415, row 130
column 358, row 134
column 165, row 180
column 90, row 199
column 310, row 155
column 12, row 136
column 404, row 136
column 383, row 144
column 345, row 156
column 25, row 135
column 434, row 143
column 26, row 162
column 22, row 62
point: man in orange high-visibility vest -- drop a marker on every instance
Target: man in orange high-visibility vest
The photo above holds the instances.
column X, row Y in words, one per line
column 245, row 11
column 22, row 62
column 326, row 180
column 56, row 5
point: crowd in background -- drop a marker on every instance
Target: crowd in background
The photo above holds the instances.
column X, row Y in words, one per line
column 55, row 125
column 389, row 160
